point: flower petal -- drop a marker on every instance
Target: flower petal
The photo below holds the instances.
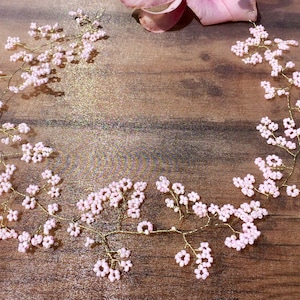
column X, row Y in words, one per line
column 160, row 21
column 144, row 3
column 212, row 12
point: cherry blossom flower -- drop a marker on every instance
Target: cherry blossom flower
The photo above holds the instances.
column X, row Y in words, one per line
column 89, row 242
column 5, row 141
column 48, row 241
column 87, row 217
column 140, row 186
column 29, row 203
column 193, row 196
column 54, row 192
column 292, row 190
column 178, row 188
column 23, row 128
column 268, row 187
column 183, row 200
column 145, row 227
column 296, row 79
column 47, row 174
column 138, row 197
column 115, row 199
column 114, row 275
column 182, row 258
column 52, row 208
column 126, row 265
column 101, row 268
column 162, row 15
column 163, row 184
column 200, row 209
column 54, row 179
column 32, row 189
column 169, row 203
column 35, row 153
column 125, row 184
column 201, row 272
column 49, row 225
column 74, row 229
column 124, row 253
column 12, row 215
column 36, row 239
column 5, row 187
column 133, row 213
column 24, row 241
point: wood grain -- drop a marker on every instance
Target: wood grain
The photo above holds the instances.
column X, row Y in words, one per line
column 178, row 104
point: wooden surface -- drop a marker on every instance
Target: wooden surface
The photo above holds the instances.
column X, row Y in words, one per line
column 178, row 104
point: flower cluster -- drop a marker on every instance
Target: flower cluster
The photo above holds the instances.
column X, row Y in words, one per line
column 5, row 178
column 271, row 170
column 204, row 260
column 38, row 63
column 287, row 141
column 11, row 132
column 35, row 64
column 102, row 267
column 116, row 261
column 276, row 174
column 115, row 210
column 50, row 187
column 30, row 153
column 181, row 202
column 114, row 196
column 35, row 153
column 247, row 213
column 272, row 54
column 123, row 196
column 189, row 204
column 30, row 201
